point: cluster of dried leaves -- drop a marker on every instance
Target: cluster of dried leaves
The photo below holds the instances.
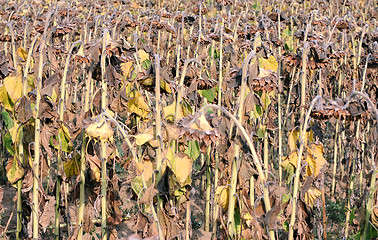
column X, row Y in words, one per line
column 342, row 53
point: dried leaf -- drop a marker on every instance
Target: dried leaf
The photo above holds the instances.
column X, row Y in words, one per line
column 138, row 106
column 311, row 195
column 145, row 169
column 149, row 195
column 47, row 217
column 100, row 129
column 23, row 110
column 315, row 159
column 142, row 138
column 201, row 124
column 143, row 55
column 14, row 170
column 22, row 53
column 95, row 167
column 221, row 196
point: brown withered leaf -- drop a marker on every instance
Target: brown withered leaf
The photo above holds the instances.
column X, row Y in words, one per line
column 47, row 131
column 114, row 208
column 94, row 166
column 23, row 110
column 169, row 225
column 119, row 103
column 198, row 128
column 4, row 71
column 149, row 195
column 246, row 170
column 138, row 222
column 47, row 217
column 89, row 214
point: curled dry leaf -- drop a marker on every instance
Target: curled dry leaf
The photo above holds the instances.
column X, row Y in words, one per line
column 100, row 129
column 311, row 195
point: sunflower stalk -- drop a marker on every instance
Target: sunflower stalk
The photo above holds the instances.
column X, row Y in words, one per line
column 216, row 171
column 37, row 144
column 104, row 104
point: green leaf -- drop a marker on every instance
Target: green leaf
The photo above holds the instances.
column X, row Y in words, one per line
column 257, row 112
column 64, row 143
column 8, row 143
column 7, row 119
column 285, row 226
column 136, row 184
column 209, row 94
column 261, row 131
column 216, row 53
column 237, row 220
column 146, row 64
column 286, row 197
column 288, row 39
column 72, row 166
column 193, row 149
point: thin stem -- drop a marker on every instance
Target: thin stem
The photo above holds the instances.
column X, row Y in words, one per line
column 104, row 185
column 37, row 145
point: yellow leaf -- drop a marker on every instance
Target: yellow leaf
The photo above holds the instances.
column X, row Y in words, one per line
column 151, row 81
column 165, row 86
column 138, row 106
column 15, row 133
column 5, row 100
column 143, row 55
column 201, row 124
column 145, row 169
column 169, row 112
column 315, row 159
column 183, row 167
column 142, row 138
column 54, row 95
column 126, row 68
column 293, row 137
column 13, row 85
column 100, row 129
column 269, row 64
column 311, row 195
column 153, row 141
column 221, row 196
column 14, row 170
column 292, row 159
column 180, row 164
column 265, row 99
column 22, row 53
